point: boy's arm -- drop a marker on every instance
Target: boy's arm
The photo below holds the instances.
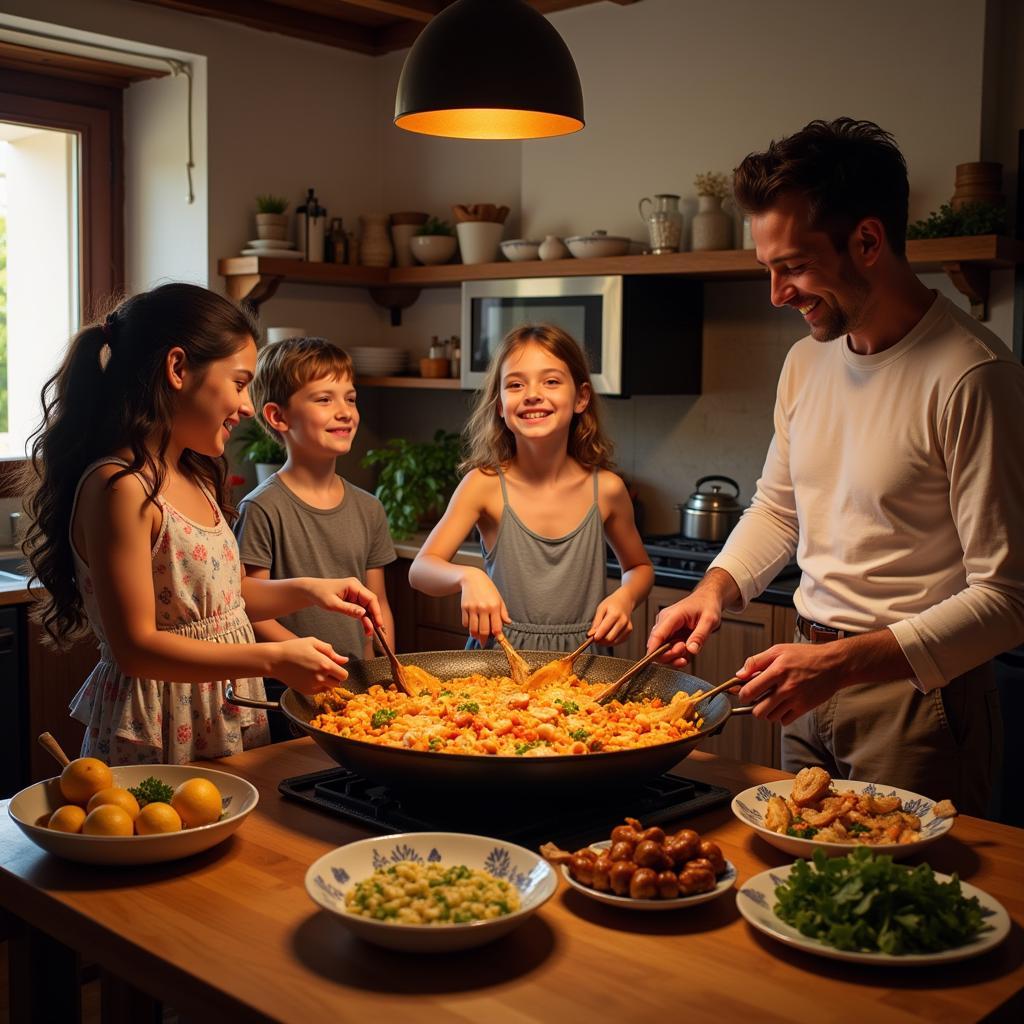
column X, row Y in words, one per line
column 375, row 581
column 267, row 629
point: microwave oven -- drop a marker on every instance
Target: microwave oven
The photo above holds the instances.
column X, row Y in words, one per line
column 641, row 333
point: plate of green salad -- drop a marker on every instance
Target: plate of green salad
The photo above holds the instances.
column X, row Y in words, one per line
column 867, row 909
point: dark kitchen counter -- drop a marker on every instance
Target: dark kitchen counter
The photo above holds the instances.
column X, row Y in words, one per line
column 780, row 591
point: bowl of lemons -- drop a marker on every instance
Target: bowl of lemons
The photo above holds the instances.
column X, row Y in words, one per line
column 132, row 814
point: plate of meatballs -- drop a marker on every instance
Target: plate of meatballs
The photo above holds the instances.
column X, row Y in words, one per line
column 646, row 868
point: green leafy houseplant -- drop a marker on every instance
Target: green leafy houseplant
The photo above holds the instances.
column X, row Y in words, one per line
column 435, row 226
column 271, row 204
column 257, row 446
column 977, row 218
column 416, row 479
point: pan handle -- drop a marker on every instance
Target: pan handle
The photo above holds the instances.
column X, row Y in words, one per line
column 247, row 702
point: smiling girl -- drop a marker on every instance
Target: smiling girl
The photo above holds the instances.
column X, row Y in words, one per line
column 540, row 492
column 130, row 534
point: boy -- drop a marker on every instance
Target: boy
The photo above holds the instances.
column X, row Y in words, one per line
column 305, row 520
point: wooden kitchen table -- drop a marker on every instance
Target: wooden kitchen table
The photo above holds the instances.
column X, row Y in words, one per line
column 230, row 935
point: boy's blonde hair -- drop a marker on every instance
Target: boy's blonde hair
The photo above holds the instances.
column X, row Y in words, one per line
column 489, row 442
column 285, row 366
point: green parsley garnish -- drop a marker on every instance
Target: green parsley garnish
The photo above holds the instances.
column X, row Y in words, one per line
column 522, row 748
column 423, row 693
column 578, row 734
column 151, row 791
column 569, row 707
column 435, row 743
column 857, row 828
column 382, row 718
column 866, row 902
column 444, row 693
column 471, row 706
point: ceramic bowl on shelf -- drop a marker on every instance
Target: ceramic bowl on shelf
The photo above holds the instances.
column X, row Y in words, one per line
column 597, row 244
column 751, row 805
column 518, row 249
column 31, row 808
column 330, row 878
column 432, row 250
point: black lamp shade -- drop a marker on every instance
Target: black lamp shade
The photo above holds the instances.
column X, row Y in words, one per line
column 489, row 69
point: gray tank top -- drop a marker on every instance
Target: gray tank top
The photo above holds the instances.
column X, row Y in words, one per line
column 551, row 585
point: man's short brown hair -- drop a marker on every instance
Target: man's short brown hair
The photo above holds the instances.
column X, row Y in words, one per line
column 284, row 367
column 846, row 170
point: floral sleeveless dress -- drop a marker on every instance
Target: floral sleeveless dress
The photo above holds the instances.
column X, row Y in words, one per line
column 197, row 585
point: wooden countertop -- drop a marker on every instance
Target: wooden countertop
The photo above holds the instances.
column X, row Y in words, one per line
column 232, row 935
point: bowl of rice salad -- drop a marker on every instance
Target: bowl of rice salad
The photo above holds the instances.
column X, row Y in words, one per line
column 431, row 892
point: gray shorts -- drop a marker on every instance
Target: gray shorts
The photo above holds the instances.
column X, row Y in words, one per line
column 944, row 744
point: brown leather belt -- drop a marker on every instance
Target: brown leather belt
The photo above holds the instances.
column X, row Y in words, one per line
column 816, row 633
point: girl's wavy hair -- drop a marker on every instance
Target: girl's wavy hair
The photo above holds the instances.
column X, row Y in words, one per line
column 489, row 442
column 112, row 392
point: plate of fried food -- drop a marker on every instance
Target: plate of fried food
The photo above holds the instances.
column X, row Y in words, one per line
column 646, row 869
column 813, row 811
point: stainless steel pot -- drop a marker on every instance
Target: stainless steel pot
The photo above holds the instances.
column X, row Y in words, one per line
column 710, row 514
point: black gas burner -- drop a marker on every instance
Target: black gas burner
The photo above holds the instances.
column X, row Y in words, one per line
column 528, row 821
column 675, row 553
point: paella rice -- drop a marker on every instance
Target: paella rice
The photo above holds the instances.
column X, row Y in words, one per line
column 413, row 893
column 492, row 715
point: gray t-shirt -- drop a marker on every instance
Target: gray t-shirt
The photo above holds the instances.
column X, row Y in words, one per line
column 277, row 530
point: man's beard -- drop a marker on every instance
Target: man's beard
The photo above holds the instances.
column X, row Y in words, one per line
column 839, row 321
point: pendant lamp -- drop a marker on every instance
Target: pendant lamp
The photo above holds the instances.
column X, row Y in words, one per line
column 489, row 69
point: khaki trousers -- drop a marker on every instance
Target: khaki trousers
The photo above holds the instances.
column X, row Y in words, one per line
column 943, row 744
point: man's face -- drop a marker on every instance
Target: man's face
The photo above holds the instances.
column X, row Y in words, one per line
column 807, row 273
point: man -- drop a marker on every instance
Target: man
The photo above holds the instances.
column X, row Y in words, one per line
column 896, row 476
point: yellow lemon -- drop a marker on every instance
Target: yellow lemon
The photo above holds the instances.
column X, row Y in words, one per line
column 83, row 777
column 198, row 802
column 108, row 820
column 68, row 818
column 157, row 817
column 118, row 797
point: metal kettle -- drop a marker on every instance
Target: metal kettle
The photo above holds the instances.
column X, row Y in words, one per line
column 709, row 515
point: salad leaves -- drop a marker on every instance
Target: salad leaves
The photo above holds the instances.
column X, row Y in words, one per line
column 865, row 902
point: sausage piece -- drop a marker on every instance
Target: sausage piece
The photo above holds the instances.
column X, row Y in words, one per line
column 622, row 850
column 668, row 885
column 649, row 854
column 601, row 870
column 713, row 852
column 693, row 880
column 689, row 840
column 624, row 834
column 582, row 869
column 621, row 875
column 644, row 884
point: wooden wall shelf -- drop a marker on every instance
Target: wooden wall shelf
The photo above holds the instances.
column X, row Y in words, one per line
column 966, row 260
column 428, row 383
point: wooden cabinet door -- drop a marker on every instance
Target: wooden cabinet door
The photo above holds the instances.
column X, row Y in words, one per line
column 741, row 634
column 636, row 645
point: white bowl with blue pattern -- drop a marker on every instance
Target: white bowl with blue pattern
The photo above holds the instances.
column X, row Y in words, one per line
column 336, row 873
column 31, row 808
column 751, row 805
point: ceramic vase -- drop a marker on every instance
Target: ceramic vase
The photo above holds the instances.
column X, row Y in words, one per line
column 272, row 226
column 712, row 226
column 375, row 248
column 553, row 248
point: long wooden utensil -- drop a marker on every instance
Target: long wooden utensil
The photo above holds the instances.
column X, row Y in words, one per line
column 396, row 665
column 557, row 669
column 517, row 665
column 49, row 743
column 609, row 691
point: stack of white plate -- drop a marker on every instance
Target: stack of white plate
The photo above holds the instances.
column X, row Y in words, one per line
column 373, row 361
column 272, row 248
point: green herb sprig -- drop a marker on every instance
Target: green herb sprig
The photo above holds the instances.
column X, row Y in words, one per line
column 152, row 791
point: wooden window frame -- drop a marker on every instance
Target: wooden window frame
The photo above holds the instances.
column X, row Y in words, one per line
column 94, row 113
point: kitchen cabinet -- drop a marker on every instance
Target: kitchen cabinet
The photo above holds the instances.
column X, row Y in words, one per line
column 635, row 647
column 54, row 677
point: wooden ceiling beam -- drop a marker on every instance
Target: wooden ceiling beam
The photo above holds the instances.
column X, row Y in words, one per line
column 271, row 17
column 34, row 59
column 414, row 10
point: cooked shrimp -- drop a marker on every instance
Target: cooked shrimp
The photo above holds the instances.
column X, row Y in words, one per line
column 778, row 817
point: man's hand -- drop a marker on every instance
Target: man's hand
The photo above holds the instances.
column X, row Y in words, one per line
column 691, row 621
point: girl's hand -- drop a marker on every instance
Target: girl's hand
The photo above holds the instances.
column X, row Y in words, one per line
column 483, row 611
column 307, row 664
column 347, row 596
column 612, row 624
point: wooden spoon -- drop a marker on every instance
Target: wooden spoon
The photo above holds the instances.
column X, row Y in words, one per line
column 396, row 665
column 557, row 669
column 609, row 691
column 518, row 668
column 49, row 743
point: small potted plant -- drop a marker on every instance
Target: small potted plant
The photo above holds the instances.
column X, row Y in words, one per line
column 416, row 479
column 266, row 453
column 271, row 220
column 712, row 226
column 434, row 242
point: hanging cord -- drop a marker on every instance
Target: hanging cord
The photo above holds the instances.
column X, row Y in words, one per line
column 180, row 67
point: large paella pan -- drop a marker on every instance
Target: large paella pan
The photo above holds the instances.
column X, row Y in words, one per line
column 439, row 772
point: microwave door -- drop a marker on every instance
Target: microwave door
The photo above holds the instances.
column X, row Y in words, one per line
column 588, row 309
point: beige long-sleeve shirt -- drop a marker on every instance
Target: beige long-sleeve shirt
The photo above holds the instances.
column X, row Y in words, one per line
column 898, row 481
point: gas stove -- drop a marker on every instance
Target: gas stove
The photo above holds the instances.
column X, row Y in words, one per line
column 528, row 820
column 672, row 553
